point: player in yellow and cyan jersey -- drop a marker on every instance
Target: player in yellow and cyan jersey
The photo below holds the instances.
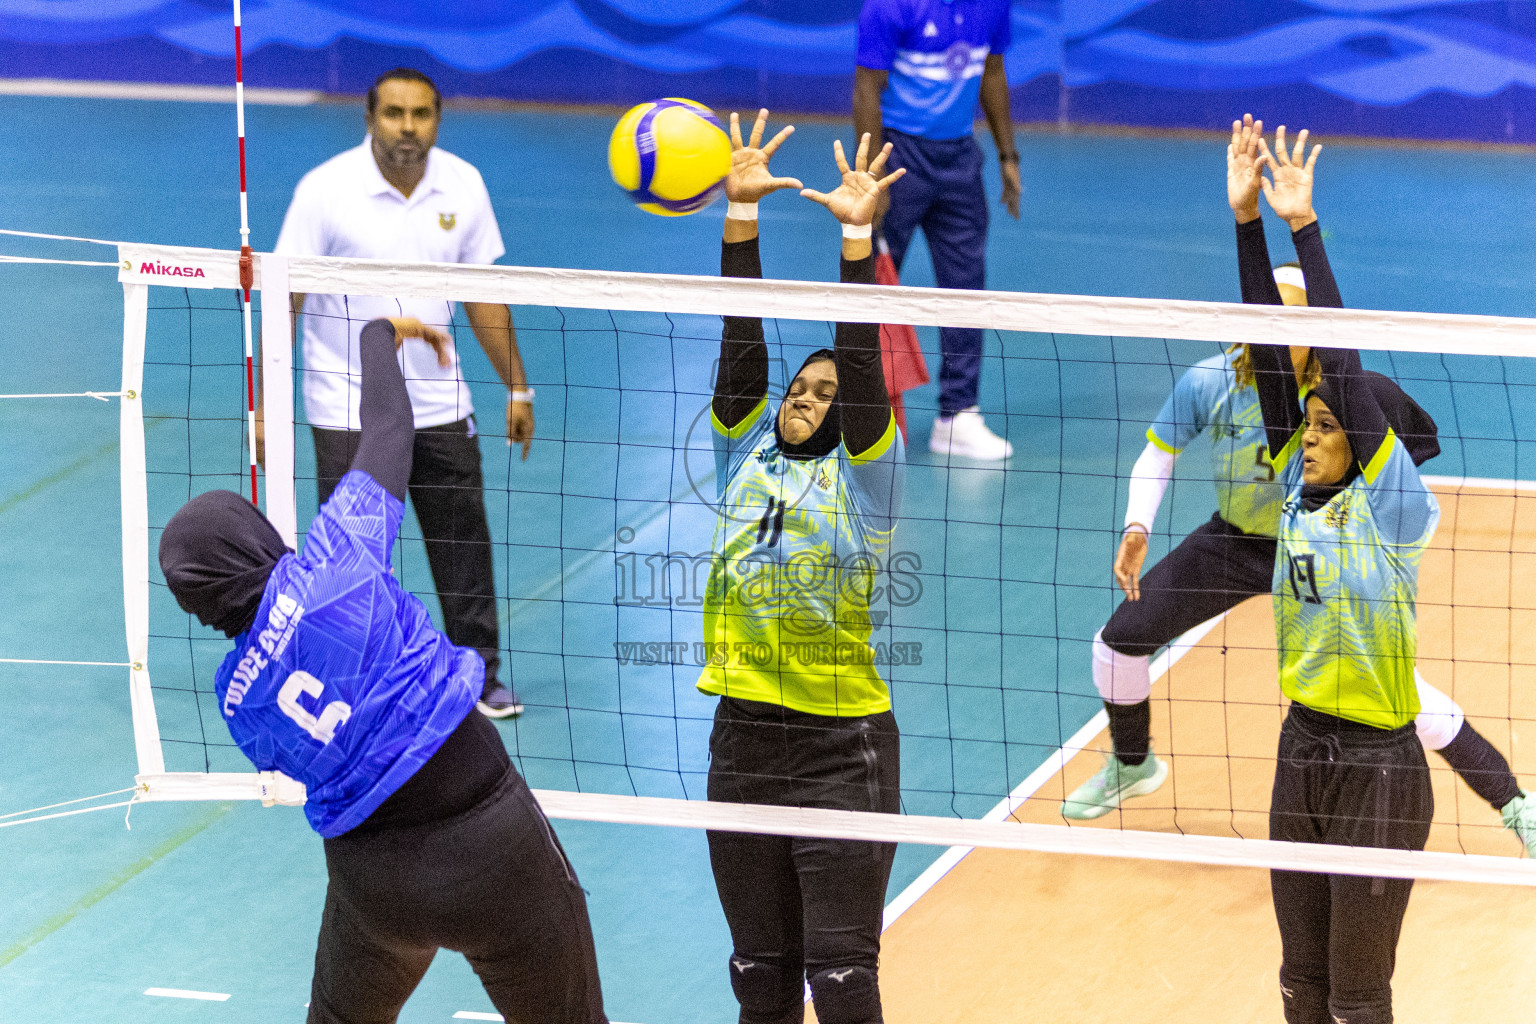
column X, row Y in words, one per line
column 809, row 490
column 1231, row 558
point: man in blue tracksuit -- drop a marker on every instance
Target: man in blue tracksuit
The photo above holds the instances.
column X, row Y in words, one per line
column 922, row 67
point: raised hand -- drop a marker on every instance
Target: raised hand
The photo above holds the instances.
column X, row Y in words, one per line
column 749, row 179
column 1245, row 168
column 853, row 202
column 1290, row 193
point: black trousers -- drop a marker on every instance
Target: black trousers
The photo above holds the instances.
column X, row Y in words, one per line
column 803, row 908
column 1213, row 570
column 1351, row 785
column 448, row 492
column 491, row 882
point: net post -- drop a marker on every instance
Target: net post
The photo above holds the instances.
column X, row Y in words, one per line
column 133, row 473
column 277, row 396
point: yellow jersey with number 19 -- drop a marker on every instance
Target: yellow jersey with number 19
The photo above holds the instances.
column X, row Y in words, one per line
column 1346, row 586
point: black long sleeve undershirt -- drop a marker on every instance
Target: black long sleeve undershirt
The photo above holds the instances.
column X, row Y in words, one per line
column 388, row 425
column 865, row 404
column 741, row 381
column 1358, row 411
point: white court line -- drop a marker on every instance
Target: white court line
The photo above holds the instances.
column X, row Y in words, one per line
column 186, row 993
column 1037, row 778
column 1486, row 482
column 73, row 89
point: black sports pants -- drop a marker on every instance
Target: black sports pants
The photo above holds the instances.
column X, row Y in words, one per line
column 1348, row 784
column 1213, row 570
column 491, row 882
column 448, row 492
column 803, row 908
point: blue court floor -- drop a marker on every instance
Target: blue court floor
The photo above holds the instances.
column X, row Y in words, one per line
column 1014, row 566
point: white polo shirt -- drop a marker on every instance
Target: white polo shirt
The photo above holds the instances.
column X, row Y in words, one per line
column 344, row 207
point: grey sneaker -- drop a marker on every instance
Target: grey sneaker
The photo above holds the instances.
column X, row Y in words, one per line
column 1520, row 818
column 499, row 702
column 1113, row 784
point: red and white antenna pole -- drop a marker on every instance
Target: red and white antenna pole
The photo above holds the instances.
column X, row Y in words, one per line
column 247, row 267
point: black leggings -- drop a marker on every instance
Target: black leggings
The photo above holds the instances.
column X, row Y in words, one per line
column 1352, row 785
column 491, row 882
column 1213, row 570
column 802, row 908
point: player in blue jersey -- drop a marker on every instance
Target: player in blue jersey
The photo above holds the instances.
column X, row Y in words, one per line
column 810, row 488
column 1231, row 558
column 923, row 68
column 339, row 680
column 1355, row 520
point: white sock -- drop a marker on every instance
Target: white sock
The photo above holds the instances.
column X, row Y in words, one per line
column 1120, row 678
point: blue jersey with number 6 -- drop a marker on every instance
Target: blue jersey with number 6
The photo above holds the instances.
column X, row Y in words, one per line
column 342, row 682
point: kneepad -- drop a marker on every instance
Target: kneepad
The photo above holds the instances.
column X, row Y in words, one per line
column 766, row 991
column 846, row 995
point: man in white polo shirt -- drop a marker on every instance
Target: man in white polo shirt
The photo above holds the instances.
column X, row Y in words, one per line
column 397, row 197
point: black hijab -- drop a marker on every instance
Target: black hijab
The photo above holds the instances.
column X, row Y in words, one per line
column 1414, row 427
column 217, row 553
column 826, row 437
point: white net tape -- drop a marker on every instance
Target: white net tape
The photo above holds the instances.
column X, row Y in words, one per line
column 141, row 266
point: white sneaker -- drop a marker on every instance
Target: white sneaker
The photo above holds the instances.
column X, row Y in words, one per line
column 965, row 434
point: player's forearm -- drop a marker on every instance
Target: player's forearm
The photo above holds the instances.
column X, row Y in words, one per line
column 388, row 425
column 1275, row 381
column 492, row 325
column 861, row 394
column 742, row 378
column 867, row 87
column 1322, row 289
column 1149, row 481
column 1253, row 269
column 997, row 106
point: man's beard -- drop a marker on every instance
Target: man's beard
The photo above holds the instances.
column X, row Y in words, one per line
column 404, row 155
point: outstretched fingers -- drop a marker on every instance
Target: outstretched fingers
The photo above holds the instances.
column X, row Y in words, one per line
column 1312, row 160
column 1301, row 147
column 861, row 156
column 757, row 128
column 878, row 163
column 817, row 197
column 778, row 140
column 736, row 142
column 837, row 154
column 885, row 182
column 778, row 183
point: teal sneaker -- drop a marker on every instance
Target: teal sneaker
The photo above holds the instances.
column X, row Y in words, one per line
column 1520, row 817
column 1118, row 781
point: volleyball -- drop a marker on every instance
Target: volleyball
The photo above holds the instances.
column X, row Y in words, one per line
column 670, row 155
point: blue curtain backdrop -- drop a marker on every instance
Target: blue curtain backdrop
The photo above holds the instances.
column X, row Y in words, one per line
column 1437, row 69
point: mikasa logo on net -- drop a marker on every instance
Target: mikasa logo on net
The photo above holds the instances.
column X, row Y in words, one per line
column 167, row 270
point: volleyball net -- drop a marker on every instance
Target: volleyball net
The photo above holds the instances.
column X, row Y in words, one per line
column 984, row 609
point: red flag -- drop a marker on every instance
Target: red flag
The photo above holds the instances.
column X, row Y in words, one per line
column 900, row 355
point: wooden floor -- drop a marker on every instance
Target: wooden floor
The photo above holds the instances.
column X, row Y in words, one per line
column 1036, row 937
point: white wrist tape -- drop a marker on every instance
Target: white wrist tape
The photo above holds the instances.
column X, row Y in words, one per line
column 525, row 395
column 858, row 230
column 741, row 211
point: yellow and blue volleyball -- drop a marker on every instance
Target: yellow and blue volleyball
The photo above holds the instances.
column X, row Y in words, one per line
column 670, row 155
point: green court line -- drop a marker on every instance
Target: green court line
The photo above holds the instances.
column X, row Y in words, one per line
column 101, row 892
column 59, row 475
column 56, row 476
